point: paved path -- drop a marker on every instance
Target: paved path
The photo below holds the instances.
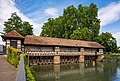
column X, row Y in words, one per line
column 7, row 71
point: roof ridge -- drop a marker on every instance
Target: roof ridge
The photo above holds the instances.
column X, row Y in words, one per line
column 14, row 33
column 63, row 38
column 39, row 40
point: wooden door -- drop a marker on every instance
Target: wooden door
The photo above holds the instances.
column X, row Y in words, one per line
column 13, row 43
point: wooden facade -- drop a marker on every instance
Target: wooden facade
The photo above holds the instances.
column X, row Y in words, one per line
column 47, row 50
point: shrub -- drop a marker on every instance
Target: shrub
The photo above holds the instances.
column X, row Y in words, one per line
column 13, row 57
column 112, row 57
column 29, row 76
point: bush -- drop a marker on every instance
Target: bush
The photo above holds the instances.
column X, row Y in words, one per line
column 29, row 76
column 13, row 57
column 112, row 57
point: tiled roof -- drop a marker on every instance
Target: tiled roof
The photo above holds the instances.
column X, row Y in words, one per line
column 37, row 40
column 14, row 34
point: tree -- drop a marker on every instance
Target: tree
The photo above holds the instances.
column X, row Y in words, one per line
column 15, row 23
column 70, row 20
column 73, row 19
column 27, row 29
column 82, row 34
column 107, row 40
column 80, row 23
column 54, row 28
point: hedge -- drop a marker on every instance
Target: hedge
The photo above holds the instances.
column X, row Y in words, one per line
column 13, row 57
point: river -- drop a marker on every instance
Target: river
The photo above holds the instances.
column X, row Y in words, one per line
column 78, row 72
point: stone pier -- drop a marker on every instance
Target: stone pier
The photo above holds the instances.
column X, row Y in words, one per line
column 56, row 59
column 81, row 58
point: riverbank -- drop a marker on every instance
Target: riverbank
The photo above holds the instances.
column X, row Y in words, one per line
column 111, row 58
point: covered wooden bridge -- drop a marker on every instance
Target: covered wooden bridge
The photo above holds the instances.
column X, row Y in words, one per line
column 48, row 50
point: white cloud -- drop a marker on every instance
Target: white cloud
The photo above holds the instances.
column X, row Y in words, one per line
column 51, row 11
column 110, row 13
column 117, row 36
column 7, row 7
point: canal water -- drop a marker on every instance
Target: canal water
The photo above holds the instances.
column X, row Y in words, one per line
column 78, row 72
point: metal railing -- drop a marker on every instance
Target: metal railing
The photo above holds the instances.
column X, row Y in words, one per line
column 21, row 71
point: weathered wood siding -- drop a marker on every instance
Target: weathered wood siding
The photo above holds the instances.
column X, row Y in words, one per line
column 38, row 48
column 63, row 49
column 90, row 50
column 42, row 49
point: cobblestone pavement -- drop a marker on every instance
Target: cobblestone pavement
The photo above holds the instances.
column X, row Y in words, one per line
column 7, row 71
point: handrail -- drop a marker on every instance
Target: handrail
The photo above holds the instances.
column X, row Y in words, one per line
column 21, row 71
column 61, row 53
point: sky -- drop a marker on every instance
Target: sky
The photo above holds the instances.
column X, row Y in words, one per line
column 38, row 11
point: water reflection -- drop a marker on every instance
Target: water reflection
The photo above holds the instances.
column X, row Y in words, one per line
column 78, row 72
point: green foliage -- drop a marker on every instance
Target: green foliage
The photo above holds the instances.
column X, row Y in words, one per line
column 54, row 28
column 107, row 40
column 15, row 23
column 82, row 34
column 80, row 23
column 29, row 75
column 112, row 57
column 73, row 22
column 13, row 57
